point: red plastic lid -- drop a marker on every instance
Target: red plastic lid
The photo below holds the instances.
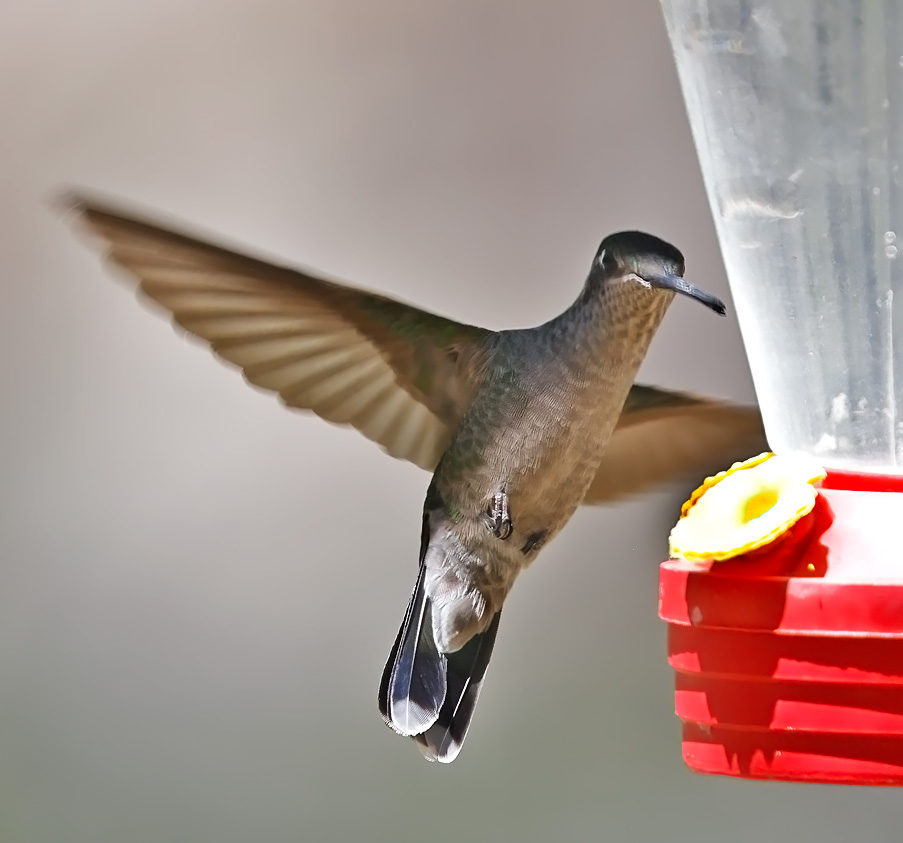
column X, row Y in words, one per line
column 789, row 660
column 857, row 481
column 839, row 572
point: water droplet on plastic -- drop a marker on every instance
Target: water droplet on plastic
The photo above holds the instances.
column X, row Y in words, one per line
column 890, row 252
column 876, row 191
column 890, row 237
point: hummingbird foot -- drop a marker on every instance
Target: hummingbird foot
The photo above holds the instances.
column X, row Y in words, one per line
column 499, row 518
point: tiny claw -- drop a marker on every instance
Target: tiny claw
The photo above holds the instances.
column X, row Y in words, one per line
column 500, row 520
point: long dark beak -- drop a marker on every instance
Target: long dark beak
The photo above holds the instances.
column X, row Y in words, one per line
column 681, row 285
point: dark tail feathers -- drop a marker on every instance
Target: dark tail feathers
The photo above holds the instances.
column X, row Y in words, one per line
column 464, row 678
column 428, row 695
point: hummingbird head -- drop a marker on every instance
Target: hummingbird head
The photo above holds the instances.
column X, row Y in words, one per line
column 638, row 258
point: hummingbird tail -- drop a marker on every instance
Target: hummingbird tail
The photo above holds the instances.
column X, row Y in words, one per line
column 413, row 685
column 465, row 670
column 427, row 694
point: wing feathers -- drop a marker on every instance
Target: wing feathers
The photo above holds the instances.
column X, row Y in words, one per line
column 664, row 436
column 349, row 356
column 403, row 377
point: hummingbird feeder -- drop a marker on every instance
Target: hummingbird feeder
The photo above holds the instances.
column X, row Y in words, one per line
column 785, row 608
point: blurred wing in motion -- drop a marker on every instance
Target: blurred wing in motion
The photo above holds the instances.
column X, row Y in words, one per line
column 664, row 436
column 403, row 377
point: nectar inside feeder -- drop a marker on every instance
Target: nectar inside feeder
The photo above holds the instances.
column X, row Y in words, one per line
column 784, row 601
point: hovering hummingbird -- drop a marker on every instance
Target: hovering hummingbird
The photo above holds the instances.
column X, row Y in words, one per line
column 519, row 427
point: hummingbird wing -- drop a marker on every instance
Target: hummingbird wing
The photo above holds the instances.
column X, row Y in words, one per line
column 665, row 436
column 402, row 376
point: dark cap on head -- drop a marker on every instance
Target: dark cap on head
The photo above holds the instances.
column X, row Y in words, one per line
column 638, row 243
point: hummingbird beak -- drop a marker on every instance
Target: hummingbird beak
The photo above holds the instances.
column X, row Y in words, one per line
column 678, row 284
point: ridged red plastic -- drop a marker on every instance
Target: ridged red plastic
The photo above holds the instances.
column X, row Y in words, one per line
column 789, row 661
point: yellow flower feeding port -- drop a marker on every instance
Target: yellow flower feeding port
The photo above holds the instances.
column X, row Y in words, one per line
column 746, row 507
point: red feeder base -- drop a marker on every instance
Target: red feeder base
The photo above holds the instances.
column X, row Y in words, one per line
column 789, row 661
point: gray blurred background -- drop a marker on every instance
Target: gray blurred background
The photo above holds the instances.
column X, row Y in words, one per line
column 191, row 632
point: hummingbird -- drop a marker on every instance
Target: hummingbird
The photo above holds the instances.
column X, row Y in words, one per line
column 518, row 427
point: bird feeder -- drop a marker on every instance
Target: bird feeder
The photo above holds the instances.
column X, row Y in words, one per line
column 788, row 652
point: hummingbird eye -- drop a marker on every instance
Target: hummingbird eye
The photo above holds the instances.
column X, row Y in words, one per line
column 607, row 260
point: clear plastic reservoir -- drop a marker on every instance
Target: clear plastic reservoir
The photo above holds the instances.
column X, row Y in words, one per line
column 796, row 108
